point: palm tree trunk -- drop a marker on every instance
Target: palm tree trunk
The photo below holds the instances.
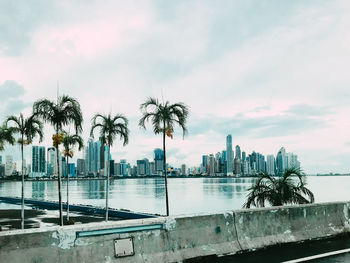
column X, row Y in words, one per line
column 165, row 175
column 59, row 184
column 67, row 190
column 107, row 188
column 22, row 194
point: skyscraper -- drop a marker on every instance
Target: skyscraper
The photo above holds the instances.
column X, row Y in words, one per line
column 238, row 152
column 51, row 161
column 229, row 154
column 281, row 161
column 158, row 160
column 211, row 165
column 270, row 164
column 38, row 161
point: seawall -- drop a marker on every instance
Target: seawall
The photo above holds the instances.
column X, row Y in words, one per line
column 176, row 238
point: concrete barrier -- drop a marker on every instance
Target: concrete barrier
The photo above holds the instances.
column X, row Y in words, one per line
column 177, row 238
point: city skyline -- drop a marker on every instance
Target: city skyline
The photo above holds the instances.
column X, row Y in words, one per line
column 226, row 162
column 276, row 76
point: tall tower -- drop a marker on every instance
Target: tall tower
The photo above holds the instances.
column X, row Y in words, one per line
column 281, row 161
column 238, row 152
column 229, row 154
column 270, row 164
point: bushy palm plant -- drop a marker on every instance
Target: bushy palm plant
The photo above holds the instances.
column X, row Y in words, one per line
column 64, row 112
column 276, row 191
column 164, row 117
column 6, row 136
column 110, row 127
column 69, row 141
column 27, row 129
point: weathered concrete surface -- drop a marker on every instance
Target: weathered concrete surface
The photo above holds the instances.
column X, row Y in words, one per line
column 180, row 237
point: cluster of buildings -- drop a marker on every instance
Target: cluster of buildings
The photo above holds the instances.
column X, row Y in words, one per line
column 239, row 163
column 227, row 162
column 93, row 164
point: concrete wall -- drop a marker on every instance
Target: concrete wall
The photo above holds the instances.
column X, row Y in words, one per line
column 177, row 238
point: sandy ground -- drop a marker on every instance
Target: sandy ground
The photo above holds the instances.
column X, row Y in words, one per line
column 11, row 218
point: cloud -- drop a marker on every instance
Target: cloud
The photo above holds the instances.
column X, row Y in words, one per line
column 297, row 119
column 10, row 89
column 18, row 21
column 308, row 110
column 10, row 102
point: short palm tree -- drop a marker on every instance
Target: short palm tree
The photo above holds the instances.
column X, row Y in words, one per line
column 164, row 116
column 277, row 191
column 6, row 136
column 110, row 127
column 69, row 141
column 59, row 114
column 27, row 129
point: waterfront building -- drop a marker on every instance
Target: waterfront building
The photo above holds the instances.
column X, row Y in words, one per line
column 71, row 168
column 124, row 167
column 238, row 152
column 243, row 156
column 63, row 167
column 281, row 162
column 94, row 157
column 229, row 155
column 0, row 159
column 80, row 167
column 237, row 165
column 86, row 160
column 183, row 169
column 211, row 165
column 205, row 163
column 292, row 161
column 158, row 160
column 38, row 161
column 152, row 168
column 245, row 167
column 51, row 161
column 142, row 167
column 111, row 167
column 270, row 164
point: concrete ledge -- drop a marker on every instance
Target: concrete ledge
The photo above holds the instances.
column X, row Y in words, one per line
column 177, row 238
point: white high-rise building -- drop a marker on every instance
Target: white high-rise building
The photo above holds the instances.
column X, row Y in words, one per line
column 229, row 155
column 270, row 164
column 292, row 161
column 9, row 165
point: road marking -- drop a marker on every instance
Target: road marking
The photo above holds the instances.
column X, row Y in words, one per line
column 319, row 256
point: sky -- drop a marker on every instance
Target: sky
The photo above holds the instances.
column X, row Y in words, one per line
column 271, row 73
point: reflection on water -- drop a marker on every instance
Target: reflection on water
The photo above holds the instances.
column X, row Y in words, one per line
column 186, row 195
column 38, row 190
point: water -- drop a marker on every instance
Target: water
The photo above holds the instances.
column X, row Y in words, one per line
column 186, row 195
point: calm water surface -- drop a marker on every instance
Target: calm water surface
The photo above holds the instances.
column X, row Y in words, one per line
column 186, row 195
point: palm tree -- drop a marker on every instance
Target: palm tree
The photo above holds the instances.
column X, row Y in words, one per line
column 110, row 127
column 279, row 191
column 59, row 114
column 28, row 129
column 69, row 141
column 6, row 136
column 164, row 116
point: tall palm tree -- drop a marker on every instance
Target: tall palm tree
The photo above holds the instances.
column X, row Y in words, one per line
column 277, row 191
column 164, row 116
column 27, row 129
column 59, row 114
column 110, row 127
column 6, row 136
column 69, row 141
